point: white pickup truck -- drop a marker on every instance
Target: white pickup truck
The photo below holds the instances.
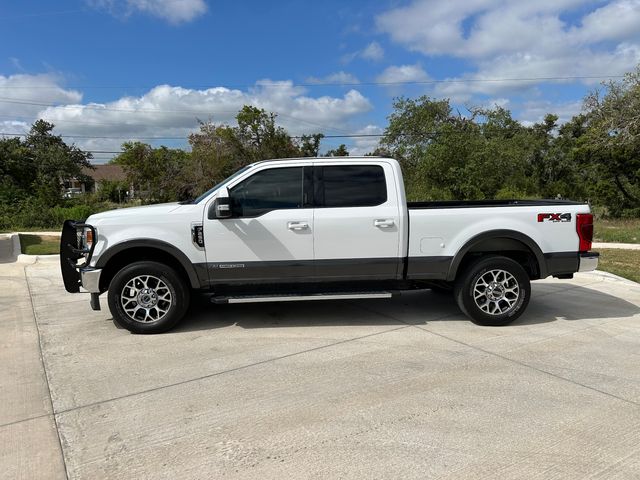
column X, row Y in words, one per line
column 321, row 228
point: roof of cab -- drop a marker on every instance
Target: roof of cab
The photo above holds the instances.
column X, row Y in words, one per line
column 315, row 159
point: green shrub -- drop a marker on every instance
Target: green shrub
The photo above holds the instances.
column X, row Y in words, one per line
column 32, row 214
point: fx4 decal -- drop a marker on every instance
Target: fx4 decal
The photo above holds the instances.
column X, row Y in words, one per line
column 554, row 217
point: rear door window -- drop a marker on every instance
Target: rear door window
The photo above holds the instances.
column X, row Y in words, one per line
column 350, row 186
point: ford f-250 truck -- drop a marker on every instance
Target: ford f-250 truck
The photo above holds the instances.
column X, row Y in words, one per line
column 321, row 228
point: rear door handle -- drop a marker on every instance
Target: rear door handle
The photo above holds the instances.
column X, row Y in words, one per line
column 380, row 223
column 297, row 226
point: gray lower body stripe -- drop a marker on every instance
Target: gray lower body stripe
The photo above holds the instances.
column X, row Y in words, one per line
column 428, row 268
column 324, row 270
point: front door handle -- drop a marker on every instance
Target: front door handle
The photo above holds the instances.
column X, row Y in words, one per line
column 383, row 223
column 297, row 226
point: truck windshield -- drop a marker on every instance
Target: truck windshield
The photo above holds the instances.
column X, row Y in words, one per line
column 215, row 187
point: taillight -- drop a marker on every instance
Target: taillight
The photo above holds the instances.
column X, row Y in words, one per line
column 584, row 227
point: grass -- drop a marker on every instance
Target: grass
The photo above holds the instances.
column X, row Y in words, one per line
column 625, row 263
column 30, row 229
column 39, row 244
column 617, row 230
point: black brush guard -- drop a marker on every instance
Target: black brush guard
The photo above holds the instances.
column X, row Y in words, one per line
column 71, row 251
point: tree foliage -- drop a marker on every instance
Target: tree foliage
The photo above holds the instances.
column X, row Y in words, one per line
column 611, row 142
column 341, row 151
column 37, row 166
column 446, row 155
column 487, row 154
column 156, row 173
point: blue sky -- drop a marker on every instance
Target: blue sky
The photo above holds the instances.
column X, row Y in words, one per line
column 110, row 70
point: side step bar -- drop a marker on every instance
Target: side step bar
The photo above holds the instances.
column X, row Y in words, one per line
column 301, row 297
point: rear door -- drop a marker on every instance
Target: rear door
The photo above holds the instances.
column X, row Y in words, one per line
column 356, row 221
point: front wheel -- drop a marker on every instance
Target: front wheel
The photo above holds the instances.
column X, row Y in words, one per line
column 148, row 297
column 493, row 291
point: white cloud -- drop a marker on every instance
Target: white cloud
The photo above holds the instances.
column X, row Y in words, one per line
column 403, row 73
column 18, row 93
column 618, row 20
column 373, row 51
column 364, row 145
column 478, row 28
column 170, row 111
column 512, row 69
column 337, row 77
column 514, row 39
column 174, row 11
column 534, row 111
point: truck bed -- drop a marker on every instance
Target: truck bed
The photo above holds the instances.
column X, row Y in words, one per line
column 489, row 203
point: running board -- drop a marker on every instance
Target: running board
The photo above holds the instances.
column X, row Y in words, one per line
column 301, row 297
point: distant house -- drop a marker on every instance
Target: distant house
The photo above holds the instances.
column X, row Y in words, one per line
column 110, row 173
column 98, row 174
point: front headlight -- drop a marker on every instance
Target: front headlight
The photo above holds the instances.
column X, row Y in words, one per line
column 87, row 238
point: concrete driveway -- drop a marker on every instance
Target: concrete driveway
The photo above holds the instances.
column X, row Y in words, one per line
column 402, row 388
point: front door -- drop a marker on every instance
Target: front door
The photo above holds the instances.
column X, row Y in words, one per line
column 269, row 238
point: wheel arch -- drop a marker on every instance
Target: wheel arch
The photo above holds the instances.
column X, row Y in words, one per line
column 509, row 243
column 122, row 254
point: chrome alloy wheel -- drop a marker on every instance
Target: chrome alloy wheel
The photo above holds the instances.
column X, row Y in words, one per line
column 496, row 292
column 146, row 298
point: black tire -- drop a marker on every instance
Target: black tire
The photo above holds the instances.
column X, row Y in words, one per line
column 507, row 296
column 163, row 285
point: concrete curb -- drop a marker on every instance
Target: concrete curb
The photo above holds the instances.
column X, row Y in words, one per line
column 49, row 234
column 15, row 240
column 613, row 277
column 623, row 246
column 24, row 258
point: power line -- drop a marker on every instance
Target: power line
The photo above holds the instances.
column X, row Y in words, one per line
column 149, row 110
column 286, row 84
column 353, row 135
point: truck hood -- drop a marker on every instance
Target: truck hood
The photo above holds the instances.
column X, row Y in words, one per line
column 144, row 212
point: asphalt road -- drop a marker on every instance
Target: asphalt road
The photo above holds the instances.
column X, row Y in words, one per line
column 402, row 388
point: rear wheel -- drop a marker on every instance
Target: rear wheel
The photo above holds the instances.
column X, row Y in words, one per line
column 148, row 297
column 493, row 291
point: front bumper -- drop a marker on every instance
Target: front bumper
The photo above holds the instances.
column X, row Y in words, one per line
column 76, row 274
column 588, row 261
column 90, row 279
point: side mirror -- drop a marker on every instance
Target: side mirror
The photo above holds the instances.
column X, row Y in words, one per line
column 220, row 208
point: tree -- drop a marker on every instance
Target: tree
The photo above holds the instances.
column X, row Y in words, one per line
column 451, row 156
column 611, row 143
column 219, row 150
column 215, row 154
column 309, row 145
column 555, row 166
column 341, row 151
column 55, row 161
column 38, row 166
column 113, row 191
column 17, row 171
column 156, row 173
column 259, row 138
